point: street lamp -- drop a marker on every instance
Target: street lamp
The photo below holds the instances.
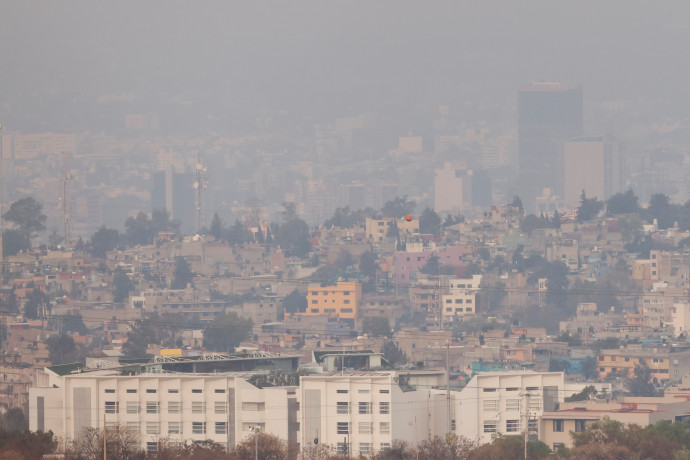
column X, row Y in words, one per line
column 256, row 430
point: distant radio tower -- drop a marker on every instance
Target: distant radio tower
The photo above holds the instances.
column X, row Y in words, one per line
column 200, row 184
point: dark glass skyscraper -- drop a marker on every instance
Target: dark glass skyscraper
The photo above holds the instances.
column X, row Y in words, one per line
column 548, row 115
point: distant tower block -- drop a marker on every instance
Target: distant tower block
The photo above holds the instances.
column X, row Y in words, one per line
column 200, row 184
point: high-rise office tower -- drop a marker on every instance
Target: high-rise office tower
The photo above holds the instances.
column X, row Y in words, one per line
column 174, row 192
column 549, row 114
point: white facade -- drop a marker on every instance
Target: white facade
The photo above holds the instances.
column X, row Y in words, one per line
column 498, row 402
column 176, row 406
column 362, row 413
column 461, row 299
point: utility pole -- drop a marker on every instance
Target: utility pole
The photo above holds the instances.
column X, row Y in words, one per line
column 448, row 429
column 526, row 428
column 105, row 446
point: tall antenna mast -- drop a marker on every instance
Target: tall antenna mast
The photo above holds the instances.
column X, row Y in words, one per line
column 200, row 184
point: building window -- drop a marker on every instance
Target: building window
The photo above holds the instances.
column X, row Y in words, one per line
column 366, row 427
column 174, row 428
column 221, row 407
column 385, row 427
column 580, row 425
column 491, row 404
column 152, row 447
column 388, row 391
column 253, row 406
column 512, row 404
column 197, row 390
column 343, row 428
column 198, row 407
column 174, row 407
column 170, row 390
column 221, row 428
column 365, row 408
column 343, row 407
column 133, row 407
column 512, row 426
column 111, row 407
column 132, row 427
column 385, row 445
column 198, row 427
column 341, row 392
column 490, row 426
column 151, row 407
column 150, row 390
column 363, row 392
column 384, row 407
column 558, row 426
column 452, row 425
column 107, row 390
column 558, row 446
column 220, row 390
column 152, row 428
column 364, row 448
column 131, row 390
column 489, row 390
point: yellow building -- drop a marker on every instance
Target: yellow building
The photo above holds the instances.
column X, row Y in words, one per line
column 339, row 301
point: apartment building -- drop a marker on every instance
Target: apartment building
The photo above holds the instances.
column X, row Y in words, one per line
column 361, row 413
column 555, row 426
column 337, row 301
column 461, row 297
column 666, row 363
column 500, row 402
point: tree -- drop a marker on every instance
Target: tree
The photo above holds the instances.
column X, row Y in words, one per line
column 399, row 450
column 270, row 447
column 138, row 230
column 589, row 368
column 398, row 207
column 640, row 383
column 517, row 203
column 237, row 234
column 27, row 215
column 36, row 303
column 227, row 332
column 120, row 443
column 510, row 448
column 394, row 355
column 368, row 265
column 661, row 209
column 141, row 334
column 344, row 259
column 122, row 286
column 532, row 222
column 14, row 241
column 13, row 420
column 104, row 240
column 26, row 445
column 295, row 302
column 430, row 222
column 589, row 208
column 293, row 237
column 586, row 394
column 62, row 349
column 216, row 227
column 622, row 203
column 451, row 447
column 376, row 326
column 182, row 274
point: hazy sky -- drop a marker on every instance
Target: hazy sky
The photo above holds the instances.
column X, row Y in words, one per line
column 331, row 58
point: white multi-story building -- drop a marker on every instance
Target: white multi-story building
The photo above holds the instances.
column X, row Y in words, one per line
column 501, row 402
column 364, row 412
column 180, row 407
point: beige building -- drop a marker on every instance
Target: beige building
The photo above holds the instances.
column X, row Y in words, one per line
column 452, row 188
column 592, row 164
column 556, row 427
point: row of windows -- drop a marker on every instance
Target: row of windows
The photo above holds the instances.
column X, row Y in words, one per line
column 174, row 407
column 512, row 426
column 361, row 391
column 364, row 447
column 493, row 390
column 330, row 310
column 492, row 404
column 459, row 310
column 173, row 427
column 559, row 425
column 458, row 300
column 364, row 427
column 170, row 390
column 343, row 407
column 326, row 292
